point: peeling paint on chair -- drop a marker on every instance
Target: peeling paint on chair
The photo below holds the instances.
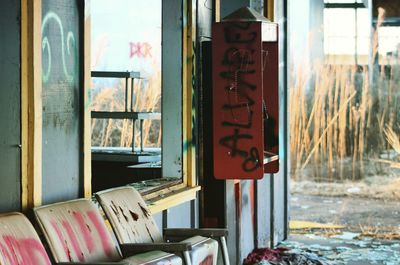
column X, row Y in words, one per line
column 76, row 232
column 138, row 225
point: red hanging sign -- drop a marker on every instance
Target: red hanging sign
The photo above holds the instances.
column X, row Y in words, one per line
column 237, row 100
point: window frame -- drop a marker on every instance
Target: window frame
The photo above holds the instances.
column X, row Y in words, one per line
column 183, row 153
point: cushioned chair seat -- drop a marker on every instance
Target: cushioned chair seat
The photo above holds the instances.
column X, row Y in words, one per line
column 154, row 257
column 76, row 232
column 204, row 250
column 19, row 242
column 132, row 222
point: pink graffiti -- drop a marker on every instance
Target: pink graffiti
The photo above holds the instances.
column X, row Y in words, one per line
column 207, row 261
column 102, row 233
column 140, row 49
column 27, row 251
column 61, row 238
column 85, row 231
column 74, row 240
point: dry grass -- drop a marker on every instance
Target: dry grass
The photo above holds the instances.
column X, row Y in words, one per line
column 338, row 115
column 118, row 133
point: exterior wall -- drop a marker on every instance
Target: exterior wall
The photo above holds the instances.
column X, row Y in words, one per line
column 10, row 105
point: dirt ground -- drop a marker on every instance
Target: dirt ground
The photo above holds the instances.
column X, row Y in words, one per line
column 356, row 214
column 369, row 212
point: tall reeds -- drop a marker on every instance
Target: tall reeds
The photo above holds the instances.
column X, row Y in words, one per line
column 118, row 133
column 338, row 119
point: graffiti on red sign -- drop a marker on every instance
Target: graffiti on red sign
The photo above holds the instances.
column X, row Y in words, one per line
column 240, row 66
column 140, row 49
column 25, row 251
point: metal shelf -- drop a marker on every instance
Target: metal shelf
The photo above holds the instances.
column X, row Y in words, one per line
column 128, row 114
column 270, row 157
column 111, row 74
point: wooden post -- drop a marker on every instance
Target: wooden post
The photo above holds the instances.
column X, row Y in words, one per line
column 31, row 103
column 87, row 155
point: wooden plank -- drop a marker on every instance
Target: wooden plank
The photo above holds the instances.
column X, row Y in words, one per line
column 217, row 10
column 31, row 52
column 173, row 199
column 188, row 77
column 87, row 132
column 269, row 10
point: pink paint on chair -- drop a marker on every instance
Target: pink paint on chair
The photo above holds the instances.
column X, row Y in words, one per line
column 85, row 231
column 27, row 251
column 74, row 240
column 76, row 232
column 19, row 242
column 61, row 238
column 104, row 237
column 6, row 254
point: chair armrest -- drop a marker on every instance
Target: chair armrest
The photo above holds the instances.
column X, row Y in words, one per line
column 93, row 263
column 134, row 248
column 188, row 232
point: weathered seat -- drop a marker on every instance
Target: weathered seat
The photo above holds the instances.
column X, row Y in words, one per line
column 133, row 223
column 19, row 242
column 76, row 232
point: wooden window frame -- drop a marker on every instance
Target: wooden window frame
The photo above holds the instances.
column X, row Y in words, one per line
column 184, row 156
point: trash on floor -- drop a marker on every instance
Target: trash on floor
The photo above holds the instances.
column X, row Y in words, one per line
column 298, row 225
column 282, row 256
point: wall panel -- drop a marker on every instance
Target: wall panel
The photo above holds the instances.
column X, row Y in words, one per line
column 10, row 106
column 61, row 98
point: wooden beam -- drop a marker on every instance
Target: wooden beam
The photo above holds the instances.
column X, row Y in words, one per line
column 269, row 10
column 173, row 199
column 87, row 157
column 217, row 10
column 31, row 103
column 189, row 76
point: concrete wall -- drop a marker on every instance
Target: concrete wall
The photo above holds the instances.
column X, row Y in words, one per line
column 10, row 104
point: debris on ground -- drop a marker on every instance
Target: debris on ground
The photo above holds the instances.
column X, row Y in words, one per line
column 282, row 256
column 346, row 249
column 299, row 225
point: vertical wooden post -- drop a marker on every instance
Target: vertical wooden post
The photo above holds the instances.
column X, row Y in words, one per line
column 269, row 10
column 217, row 10
column 189, row 83
column 31, row 103
column 87, row 155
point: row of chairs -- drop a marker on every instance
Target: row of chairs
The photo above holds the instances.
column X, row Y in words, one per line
column 76, row 233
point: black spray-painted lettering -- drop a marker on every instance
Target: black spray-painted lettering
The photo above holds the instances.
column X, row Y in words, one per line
column 231, row 142
column 238, row 33
column 240, row 66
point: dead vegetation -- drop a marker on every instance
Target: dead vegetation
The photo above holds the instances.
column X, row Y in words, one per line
column 342, row 119
column 147, row 98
